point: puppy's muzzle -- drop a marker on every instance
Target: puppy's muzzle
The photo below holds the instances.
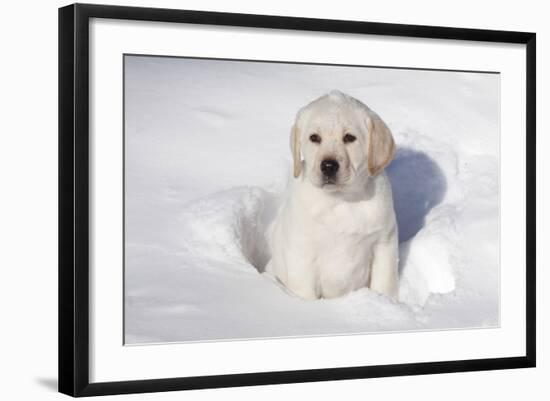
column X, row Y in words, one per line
column 329, row 168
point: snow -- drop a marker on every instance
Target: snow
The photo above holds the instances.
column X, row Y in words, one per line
column 206, row 163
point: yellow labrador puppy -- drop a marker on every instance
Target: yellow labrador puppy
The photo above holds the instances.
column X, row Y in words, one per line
column 336, row 230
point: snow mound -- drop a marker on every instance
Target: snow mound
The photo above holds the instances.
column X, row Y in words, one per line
column 230, row 226
column 427, row 272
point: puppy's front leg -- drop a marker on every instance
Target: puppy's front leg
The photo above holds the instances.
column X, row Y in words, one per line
column 304, row 284
column 383, row 276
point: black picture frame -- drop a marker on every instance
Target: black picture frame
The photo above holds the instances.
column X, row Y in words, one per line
column 74, row 198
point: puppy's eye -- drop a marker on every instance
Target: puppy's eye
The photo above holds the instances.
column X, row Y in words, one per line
column 315, row 138
column 348, row 138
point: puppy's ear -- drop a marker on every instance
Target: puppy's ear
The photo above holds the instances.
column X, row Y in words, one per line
column 380, row 144
column 295, row 149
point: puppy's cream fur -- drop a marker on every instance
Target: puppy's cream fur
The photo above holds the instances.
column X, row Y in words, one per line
column 333, row 236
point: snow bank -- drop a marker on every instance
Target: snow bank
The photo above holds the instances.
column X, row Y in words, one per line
column 198, row 202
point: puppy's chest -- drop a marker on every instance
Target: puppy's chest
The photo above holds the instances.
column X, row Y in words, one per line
column 341, row 240
column 358, row 220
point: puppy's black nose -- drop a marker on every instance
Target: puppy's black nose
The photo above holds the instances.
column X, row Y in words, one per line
column 329, row 167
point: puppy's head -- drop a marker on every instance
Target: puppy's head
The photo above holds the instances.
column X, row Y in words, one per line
column 341, row 141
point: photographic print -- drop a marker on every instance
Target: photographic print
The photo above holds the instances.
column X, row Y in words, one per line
column 271, row 199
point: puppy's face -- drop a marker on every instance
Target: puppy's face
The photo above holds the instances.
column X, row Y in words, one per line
column 332, row 144
column 341, row 141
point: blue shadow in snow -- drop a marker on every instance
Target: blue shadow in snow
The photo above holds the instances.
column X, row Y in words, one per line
column 418, row 185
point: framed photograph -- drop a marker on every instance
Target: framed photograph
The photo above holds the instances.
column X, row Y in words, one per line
column 251, row 199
